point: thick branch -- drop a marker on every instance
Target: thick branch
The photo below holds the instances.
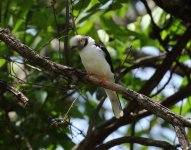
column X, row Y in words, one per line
column 102, row 131
column 145, row 60
column 181, row 134
column 178, row 8
column 168, row 61
column 138, row 140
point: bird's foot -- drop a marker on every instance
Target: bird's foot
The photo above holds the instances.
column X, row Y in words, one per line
column 89, row 74
column 103, row 80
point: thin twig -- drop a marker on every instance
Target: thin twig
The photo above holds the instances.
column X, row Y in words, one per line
column 20, row 96
column 66, row 115
column 72, row 18
column 16, row 130
column 132, row 134
column 53, row 2
column 49, row 41
column 66, row 49
column 92, row 120
column 167, row 82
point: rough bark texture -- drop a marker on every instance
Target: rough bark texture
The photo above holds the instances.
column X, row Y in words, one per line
column 92, row 140
column 178, row 8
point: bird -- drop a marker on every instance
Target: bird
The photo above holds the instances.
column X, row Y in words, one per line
column 97, row 61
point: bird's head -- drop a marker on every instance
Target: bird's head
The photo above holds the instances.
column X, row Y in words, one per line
column 80, row 41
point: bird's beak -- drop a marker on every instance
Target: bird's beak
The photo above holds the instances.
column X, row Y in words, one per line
column 73, row 47
column 76, row 46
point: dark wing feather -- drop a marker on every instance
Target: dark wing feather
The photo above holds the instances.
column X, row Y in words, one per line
column 107, row 55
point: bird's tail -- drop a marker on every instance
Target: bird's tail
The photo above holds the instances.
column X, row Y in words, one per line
column 116, row 106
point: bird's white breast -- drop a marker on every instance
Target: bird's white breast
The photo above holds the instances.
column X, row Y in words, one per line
column 94, row 61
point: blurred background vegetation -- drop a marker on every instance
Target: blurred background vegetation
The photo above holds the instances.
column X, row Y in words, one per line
column 138, row 34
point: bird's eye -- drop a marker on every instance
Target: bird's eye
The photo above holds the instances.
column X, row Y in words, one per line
column 81, row 40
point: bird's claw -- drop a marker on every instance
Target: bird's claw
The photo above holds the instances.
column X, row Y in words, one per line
column 103, row 80
column 89, row 74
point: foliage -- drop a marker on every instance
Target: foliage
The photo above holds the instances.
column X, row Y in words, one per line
column 42, row 25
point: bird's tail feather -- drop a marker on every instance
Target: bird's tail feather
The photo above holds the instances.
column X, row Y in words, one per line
column 116, row 106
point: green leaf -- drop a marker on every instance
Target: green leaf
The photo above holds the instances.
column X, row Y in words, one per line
column 86, row 27
column 2, row 62
column 40, row 96
column 81, row 4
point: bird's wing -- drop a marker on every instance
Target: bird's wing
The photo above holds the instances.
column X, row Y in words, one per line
column 107, row 55
column 116, row 105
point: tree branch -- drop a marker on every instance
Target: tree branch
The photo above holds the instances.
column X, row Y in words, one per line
column 50, row 66
column 66, row 49
column 144, row 60
column 138, row 140
column 176, row 97
column 20, row 96
column 103, row 130
column 168, row 61
column 181, row 134
column 174, row 7
column 91, row 122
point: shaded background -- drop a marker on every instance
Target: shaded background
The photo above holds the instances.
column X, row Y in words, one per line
column 150, row 51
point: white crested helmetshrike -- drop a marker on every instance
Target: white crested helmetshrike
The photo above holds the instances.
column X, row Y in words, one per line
column 97, row 61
